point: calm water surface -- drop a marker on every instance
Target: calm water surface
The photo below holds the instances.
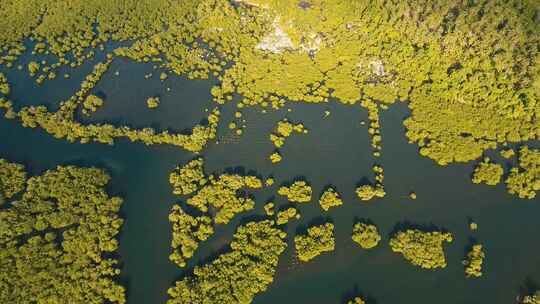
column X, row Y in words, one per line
column 336, row 151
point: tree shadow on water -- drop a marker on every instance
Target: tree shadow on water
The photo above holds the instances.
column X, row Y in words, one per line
column 406, row 225
column 317, row 221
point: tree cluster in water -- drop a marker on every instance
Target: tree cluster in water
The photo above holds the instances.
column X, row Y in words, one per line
column 58, row 237
column 319, row 239
column 421, row 248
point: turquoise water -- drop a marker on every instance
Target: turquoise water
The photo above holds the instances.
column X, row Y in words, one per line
column 335, row 151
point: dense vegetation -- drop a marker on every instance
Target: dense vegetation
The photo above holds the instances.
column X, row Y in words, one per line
column 421, row 248
column 525, row 180
column 187, row 232
column 488, row 173
column 330, row 198
column 217, row 198
column 474, row 260
column 366, row 235
column 532, row 299
column 236, row 276
column 298, row 192
column 468, row 71
column 319, row 239
column 12, row 179
column 357, row 300
column 57, row 240
column 285, row 215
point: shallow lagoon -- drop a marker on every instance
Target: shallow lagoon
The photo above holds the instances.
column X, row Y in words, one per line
column 335, row 151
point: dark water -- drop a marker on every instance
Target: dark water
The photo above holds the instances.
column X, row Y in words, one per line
column 335, row 151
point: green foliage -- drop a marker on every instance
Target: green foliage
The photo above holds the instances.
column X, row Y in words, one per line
column 330, row 198
column 235, row 277
column 525, row 180
column 509, row 153
column 275, row 157
column 4, row 85
column 319, row 239
column 189, row 178
column 187, row 232
column 488, row 173
column 357, row 300
column 423, row 249
column 463, row 98
column 33, row 68
column 284, row 216
column 366, row 235
column 152, row 102
column 299, row 192
column 269, row 209
column 532, row 299
column 56, row 241
column 219, row 192
column 473, row 263
column 222, row 194
column 369, row 192
column 91, row 104
column 12, row 179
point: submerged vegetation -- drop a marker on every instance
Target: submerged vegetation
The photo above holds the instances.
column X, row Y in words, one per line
column 58, row 239
column 421, row 248
column 319, row 239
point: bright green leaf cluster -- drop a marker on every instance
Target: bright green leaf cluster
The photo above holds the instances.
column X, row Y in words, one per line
column 152, row 102
column 473, row 263
column 357, row 300
column 423, row 249
column 4, row 85
column 299, row 192
column 330, row 198
column 57, row 241
column 319, row 239
column 189, row 178
column 366, row 235
column 488, row 173
column 284, row 216
column 187, row 233
column 369, row 192
column 532, row 299
column 235, row 277
column 12, row 179
column 525, row 180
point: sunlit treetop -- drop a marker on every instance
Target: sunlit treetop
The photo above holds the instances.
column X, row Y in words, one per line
column 468, row 70
column 12, row 179
column 532, row 299
column 524, row 181
column 421, row 248
column 58, row 240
